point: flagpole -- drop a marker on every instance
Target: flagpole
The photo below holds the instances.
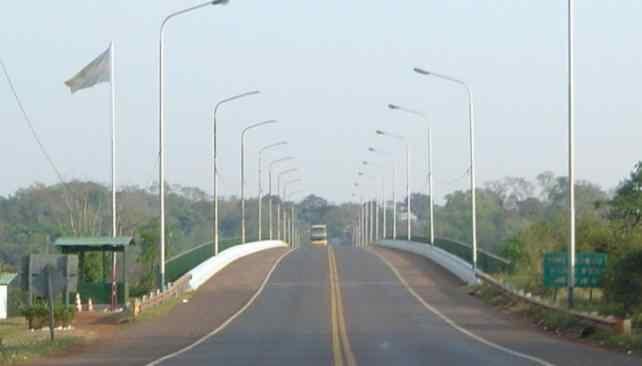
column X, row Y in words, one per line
column 112, row 82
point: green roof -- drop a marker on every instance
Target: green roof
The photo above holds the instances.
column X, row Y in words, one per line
column 95, row 241
column 6, row 278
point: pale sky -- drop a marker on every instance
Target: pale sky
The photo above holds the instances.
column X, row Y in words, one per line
column 327, row 70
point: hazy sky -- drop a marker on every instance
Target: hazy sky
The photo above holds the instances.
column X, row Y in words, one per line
column 326, row 70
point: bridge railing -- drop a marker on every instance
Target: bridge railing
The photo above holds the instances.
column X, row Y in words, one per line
column 182, row 263
column 486, row 261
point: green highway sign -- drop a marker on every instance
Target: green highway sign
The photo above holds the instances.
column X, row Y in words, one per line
column 589, row 269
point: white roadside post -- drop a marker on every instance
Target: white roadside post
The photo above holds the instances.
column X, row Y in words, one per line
column 260, row 175
column 215, row 229
column 161, row 125
column 429, row 162
column 471, row 120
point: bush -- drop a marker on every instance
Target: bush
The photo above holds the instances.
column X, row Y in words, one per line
column 38, row 315
column 623, row 281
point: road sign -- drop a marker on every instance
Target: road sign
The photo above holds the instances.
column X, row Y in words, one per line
column 63, row 270
column 589, row 269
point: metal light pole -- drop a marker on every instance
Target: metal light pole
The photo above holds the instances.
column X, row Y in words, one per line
column 260, row 202
column 571, row 153
column 245, row 130
column 278, row 206
column 161, row 125
column 215, row 162
column 408, row 207
column 286, row 224
column 394, row 202
column 382, row 200
column 429, row 161
column 294, row 221
column 271, row 168
column 471, row 119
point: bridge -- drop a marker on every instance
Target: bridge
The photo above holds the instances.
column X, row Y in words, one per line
column 389, row 302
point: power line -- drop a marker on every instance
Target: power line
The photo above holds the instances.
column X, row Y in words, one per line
column 35, row 134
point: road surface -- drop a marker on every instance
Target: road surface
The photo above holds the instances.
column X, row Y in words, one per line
column 348, row 306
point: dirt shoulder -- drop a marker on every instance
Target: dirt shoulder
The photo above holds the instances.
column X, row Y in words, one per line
column 452, row 297
column 144, row 341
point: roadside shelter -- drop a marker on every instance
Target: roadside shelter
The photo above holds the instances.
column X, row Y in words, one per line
column 5, row 280
column 100, row 292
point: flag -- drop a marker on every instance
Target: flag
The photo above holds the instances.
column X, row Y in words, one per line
column 98, row 71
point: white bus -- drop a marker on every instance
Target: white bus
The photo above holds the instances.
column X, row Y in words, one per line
column 319, row 235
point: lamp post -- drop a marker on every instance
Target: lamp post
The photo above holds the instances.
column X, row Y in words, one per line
column 571, row 153
column 260, row 201
column 215, row 162
column 362, row 219
column 285, row 197
column 161, row 124
column 394, row 198
column 429, row 161
column 382, row 200
column 271, row 168
column 371, row 209
column 471, row 123
column 245, row 130
column 293, row 222
column 278, row 206
column 408, row 207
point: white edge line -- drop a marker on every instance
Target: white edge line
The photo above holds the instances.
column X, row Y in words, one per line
column 452, row 323
column 228, row 321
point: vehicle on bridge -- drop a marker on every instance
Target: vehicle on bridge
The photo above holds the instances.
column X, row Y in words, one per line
column 319, row 235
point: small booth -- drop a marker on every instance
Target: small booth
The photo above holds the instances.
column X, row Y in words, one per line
column 5, row 280
column 100, row 292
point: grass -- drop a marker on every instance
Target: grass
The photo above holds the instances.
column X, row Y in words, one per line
column 561, row 323
column 18, row 344
column 161, row 309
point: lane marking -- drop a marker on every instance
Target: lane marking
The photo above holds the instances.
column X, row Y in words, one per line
column 454, row 325
column 229, row 320
column 336, row 343
column 337, row 299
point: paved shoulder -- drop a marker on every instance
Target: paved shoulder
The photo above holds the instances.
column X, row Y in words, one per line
column 213, row 304
column 446, row 293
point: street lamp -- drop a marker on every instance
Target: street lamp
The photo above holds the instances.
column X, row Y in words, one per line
column 429, row 158
column 363, row 223
column 285, row 198
column 161, row 125
column 215, row 162
column 571, row 153
column 293, row 220
column 245, row 130
column 271, row 167
column 278, row 206
column 408, row 207
column 394, row 195
column 383, row 201
column 260, row 201
column 371, row 212
column 471, row 120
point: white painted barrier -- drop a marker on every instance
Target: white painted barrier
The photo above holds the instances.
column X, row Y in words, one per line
column 450, row 262
column 204, row 271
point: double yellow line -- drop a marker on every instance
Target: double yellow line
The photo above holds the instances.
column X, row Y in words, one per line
column 341, row 348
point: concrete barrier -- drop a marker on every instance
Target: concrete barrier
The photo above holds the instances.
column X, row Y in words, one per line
column 204, row 271
column 453, row 264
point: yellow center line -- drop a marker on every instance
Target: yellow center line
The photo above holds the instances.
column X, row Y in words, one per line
column 336, row 344
column 338, row 315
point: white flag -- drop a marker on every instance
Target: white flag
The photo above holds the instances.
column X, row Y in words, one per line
column 98, row 71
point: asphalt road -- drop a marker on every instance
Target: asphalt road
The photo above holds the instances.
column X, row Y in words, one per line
column 345, row 306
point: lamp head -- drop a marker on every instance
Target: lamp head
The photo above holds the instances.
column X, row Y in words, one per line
column 219, row 2
column 421, row 71
column 379, row 132
column 371, row 149
column 364, row 162
column 393, row 106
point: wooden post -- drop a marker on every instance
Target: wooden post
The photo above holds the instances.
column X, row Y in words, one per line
column 50, row 295
column 125, row 282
